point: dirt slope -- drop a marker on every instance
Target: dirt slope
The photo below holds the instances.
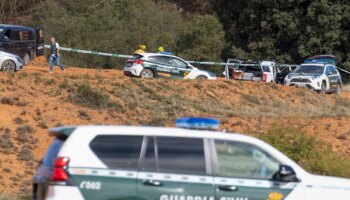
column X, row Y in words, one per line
column 33, row 100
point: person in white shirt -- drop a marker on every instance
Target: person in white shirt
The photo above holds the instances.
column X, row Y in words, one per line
column 55, row 55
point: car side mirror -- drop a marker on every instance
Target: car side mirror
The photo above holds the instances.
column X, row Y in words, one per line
column 286, row 174
column 7, row 39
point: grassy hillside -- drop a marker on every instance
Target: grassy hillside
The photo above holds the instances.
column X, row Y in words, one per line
column 312, row 129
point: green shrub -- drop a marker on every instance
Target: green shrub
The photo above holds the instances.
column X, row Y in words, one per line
column 250, row 98
column 85, row 95
column 25, row 154
column 101, row 26
column 315, row 155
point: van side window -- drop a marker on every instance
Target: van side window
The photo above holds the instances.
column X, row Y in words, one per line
column 24, row 35
column 175, row 155
column 8, row 34
column 15, row 35
column 118, row 152
column 243, row 160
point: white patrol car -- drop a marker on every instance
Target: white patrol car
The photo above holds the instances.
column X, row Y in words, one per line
column 150, row 65
column 148, row 163
column 317, row 76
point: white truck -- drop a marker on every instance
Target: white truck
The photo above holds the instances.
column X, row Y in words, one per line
column 264, row 71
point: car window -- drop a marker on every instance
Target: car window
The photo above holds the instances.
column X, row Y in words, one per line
column 135, row 57
column 52, row 153
column 284, row 70
column 266, row 68
column 333, row 70
column 242, row 68
column 244, row 160
column 159, row 59
column 317, row 69
column 328, row 71
column 119, row 152
column 15, row 35
column 175, row 155
column 25, row 35
column 255, row 68
column 149, row 161
column 8, row 34
column 177, row 63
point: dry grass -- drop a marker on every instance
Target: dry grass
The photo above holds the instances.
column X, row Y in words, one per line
column 83, row 96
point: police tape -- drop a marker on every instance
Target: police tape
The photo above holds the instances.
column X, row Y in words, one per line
column 95, row 53
column 115, row 55
column 217, row 63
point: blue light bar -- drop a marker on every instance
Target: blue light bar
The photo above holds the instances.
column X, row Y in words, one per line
column 211, row 124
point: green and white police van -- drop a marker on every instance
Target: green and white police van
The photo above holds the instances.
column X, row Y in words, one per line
column 152, row 65
column 189, row 162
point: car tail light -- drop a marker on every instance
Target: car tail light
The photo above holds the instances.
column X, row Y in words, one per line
column 264, row 78
column 139, row 62
column 59, row 169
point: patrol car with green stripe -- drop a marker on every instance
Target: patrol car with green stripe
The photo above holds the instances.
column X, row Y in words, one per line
column 189, row 162
column 150, row 65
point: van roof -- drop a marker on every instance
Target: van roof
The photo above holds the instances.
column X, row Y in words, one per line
column 15, row 26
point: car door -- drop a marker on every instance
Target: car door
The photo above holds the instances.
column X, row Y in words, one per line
column 159, row 65
column 333, row 77
column 120, row 153
column 174, row 168
column 245, row 172
column 179, row 68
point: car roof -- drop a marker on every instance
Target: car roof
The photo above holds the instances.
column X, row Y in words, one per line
column 317, row 64
column 158, row 54
column 148, row 131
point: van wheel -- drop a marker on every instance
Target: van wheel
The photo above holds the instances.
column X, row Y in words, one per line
column 323, row 88
column 338, row 90
column 201, row 77
column 26, row 59
column 8, row 66
column 147, row 73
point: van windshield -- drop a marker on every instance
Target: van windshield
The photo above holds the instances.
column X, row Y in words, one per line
column 1, row 30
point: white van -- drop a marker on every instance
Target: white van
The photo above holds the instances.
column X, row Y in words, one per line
column 189, row 162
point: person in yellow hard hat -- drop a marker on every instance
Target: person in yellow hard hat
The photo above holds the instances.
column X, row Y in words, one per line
column 140, row 49
column 161, row 51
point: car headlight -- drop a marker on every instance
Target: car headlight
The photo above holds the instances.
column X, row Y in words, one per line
column 211, row 74
column 19, row 59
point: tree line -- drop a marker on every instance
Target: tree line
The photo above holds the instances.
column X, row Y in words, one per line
column 286, row 31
